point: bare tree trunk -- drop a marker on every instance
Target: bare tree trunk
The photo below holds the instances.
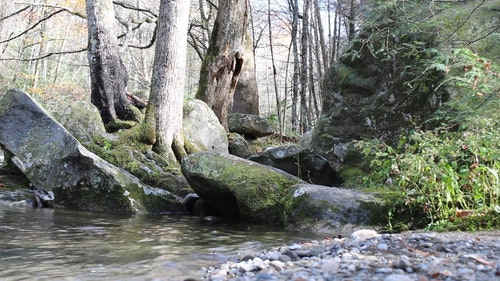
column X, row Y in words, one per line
column 321, row 37
column 164, row 112
column 296, row 62
column 108, row 75
column 275, row 80
column 351, row 20
column 223, row 62
column 304, row 120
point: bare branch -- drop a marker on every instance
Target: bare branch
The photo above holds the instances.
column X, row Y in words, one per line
column 129, row 7
column 46, row 55
column 33, row 26
column 484, row 36
column 463, row 23
column 75, row 13
column 15, row 13
column 150, row 44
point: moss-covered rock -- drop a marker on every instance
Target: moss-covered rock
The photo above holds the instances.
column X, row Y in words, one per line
column 235, row 187
column 53, row 160
column 335, row 210
column 80, row 118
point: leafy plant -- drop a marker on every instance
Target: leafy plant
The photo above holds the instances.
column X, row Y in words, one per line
column 452, row 171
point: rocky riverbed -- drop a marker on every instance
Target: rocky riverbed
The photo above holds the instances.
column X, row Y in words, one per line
column 367, row 255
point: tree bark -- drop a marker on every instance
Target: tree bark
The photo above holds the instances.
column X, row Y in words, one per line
column 223, row 62
column 246, row 94
column 296, row 64
column 275, row 79
column 304, row 120
column 164, row 112
column 108, row 75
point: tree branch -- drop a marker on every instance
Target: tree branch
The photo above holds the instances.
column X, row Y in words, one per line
column 487, row 34
column 130, row 7
column 15, row 13
column 150, row 44
column 78, row 14
column 33, row 26
column 46, row 55
column 463, row 23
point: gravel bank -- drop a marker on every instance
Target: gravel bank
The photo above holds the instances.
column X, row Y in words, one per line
column 367, row 255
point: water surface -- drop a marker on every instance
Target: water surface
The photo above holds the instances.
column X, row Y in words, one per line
column 46, row 244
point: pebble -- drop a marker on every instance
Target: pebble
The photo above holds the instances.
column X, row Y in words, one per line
column 368, row 255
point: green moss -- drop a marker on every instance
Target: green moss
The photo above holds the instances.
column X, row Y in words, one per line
column 296, row 209
column 261, row 197
column 352, row 177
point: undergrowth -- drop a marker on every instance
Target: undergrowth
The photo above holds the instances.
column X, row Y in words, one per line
column 446, row 168
column 450, row 172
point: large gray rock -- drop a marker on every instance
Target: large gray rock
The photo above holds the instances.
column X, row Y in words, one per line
column 239, row 146
column 235, row 187
column 81, row 119
column 202, row 128
column 251, row 126
column 333, row 210
column 300, row 162
column 53, row 160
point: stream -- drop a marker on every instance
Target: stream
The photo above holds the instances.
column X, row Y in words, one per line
column 48, row 244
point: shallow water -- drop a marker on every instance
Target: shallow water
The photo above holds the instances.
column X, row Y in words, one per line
column 46, row 244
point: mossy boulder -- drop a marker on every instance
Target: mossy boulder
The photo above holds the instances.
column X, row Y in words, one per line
column 333, row 210
column 201, row 128
column 235, row 187
column 81, row 119
column 300, row 162
column 381, row 86
column 53, row 160
column 249, row 125
column 239, row 146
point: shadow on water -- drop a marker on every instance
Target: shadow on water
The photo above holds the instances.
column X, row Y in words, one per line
column 46, row 244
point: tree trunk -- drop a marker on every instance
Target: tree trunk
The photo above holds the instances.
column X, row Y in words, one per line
column 351, row 20
column 246, row 94
column 164, row 112
column 108, row 75
column 275, row 79
column 304, row 120
column 223, row 62
column 296, row 64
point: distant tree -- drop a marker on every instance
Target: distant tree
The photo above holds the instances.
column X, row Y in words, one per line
column 163, row 119
column 223, row 61
column 108, row 75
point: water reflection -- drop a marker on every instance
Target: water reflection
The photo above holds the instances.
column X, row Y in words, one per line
column 45, row 244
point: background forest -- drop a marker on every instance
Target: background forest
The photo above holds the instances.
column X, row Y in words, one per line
column 44, row 50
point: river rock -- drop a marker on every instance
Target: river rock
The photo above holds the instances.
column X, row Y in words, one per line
column 324, row 209
column 239, row 146
column 300, row 162
column 235, row 187
column 249, row 125
column 202, row 128
column 53, row 160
